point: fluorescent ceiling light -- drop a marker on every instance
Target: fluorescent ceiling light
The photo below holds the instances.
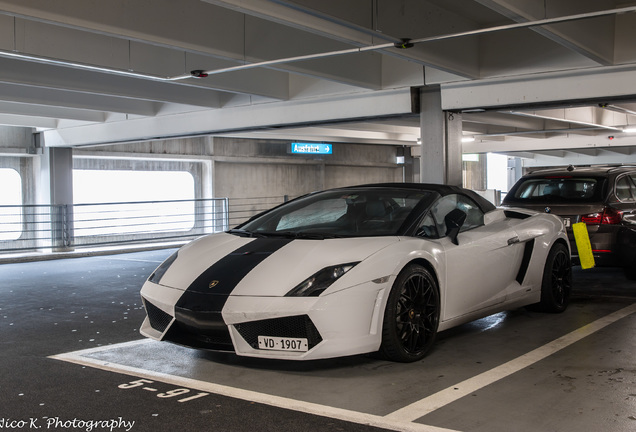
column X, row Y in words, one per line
column 468, row 139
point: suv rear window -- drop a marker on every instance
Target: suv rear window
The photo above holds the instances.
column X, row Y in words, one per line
column 557, row 188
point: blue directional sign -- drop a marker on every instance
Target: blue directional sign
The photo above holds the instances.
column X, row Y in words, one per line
column 311, row 148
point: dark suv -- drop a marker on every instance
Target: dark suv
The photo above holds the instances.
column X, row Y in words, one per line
column 604, row 197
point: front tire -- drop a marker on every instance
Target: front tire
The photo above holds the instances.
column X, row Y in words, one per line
column 411, row 317
column 556, row 286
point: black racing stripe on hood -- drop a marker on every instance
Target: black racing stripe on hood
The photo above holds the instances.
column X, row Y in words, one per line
column 226, row 273
column 198, row 312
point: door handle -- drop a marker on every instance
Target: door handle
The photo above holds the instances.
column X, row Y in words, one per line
column 513, row 240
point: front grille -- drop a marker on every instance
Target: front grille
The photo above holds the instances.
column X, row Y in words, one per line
column 218, row 340
column 159, row 320
column 199, row 322
column 299, row 326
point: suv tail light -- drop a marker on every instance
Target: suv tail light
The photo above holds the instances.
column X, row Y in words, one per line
column 610, row 216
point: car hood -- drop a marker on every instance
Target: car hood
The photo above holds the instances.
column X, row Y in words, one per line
column 242, row 266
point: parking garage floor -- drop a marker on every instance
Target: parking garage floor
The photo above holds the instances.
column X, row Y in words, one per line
column 72, row 359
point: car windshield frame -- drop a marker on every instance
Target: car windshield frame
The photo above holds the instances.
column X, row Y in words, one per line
column 565, row 189
column 342, row 213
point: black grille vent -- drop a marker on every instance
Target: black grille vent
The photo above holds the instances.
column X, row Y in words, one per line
column 299, row 326
column 159, row 320
column 218, row 340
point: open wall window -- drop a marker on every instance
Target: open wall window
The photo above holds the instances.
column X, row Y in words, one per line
column 126, row 201
column 10, row 204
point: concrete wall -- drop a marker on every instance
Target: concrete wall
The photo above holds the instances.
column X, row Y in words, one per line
column 192, row 147
column 475, row 173
column 222, row 167
column 242, row 168
column 16, row 140
column 18, row 152
column 247, row 168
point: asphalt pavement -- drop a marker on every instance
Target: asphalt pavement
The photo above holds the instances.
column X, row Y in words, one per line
column 66, row 305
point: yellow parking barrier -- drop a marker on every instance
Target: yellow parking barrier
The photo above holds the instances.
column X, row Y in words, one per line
column 582, row 239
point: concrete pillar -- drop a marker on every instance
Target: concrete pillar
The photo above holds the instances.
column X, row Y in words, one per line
column 57, row 177
column 441, row 132
column 475, row 173
column 515, row 171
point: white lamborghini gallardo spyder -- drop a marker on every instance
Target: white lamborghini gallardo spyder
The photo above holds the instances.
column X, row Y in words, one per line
column 357, row 270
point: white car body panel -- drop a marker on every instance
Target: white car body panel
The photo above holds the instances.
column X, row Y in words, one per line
column 476, row 278
column 302, row 258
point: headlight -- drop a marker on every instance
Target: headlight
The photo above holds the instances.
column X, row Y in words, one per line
column 314, row 285
column 156, row 276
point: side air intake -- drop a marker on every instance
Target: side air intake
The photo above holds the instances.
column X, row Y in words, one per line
column 159, row 320
column 525, row 262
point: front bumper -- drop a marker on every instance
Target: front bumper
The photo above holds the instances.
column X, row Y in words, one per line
column 344, row 323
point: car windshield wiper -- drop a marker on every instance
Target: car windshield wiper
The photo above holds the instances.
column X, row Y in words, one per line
column 302, row 235
column 244, row 233
column 310, row 235
column 285, row 234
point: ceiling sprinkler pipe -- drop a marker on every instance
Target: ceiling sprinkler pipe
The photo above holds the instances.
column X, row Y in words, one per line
column 404, row 44
column 408, row 43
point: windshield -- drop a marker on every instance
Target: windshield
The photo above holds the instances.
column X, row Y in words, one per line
column 557, row 189
column 338, row 213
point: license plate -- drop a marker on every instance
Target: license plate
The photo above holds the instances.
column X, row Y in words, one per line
column 283, row 344
column 567, row 223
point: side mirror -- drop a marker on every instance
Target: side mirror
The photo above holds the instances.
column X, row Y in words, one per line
column 454, row 221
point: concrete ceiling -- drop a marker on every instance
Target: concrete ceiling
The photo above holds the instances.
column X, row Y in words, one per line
column 537, row 79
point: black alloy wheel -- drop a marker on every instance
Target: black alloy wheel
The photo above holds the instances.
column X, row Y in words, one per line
column 556, row 285
column 412, row 315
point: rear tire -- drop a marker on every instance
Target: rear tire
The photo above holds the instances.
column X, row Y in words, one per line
column 556, row 286
column 411, row 317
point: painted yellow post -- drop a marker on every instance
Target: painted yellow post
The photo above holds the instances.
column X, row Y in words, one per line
column 582, row 239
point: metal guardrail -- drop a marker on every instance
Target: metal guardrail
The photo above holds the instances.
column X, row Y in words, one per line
column 30, row 228
column 68, row 227
column 241, row 209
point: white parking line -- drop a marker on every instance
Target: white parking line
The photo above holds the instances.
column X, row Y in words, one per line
column 444, row 397
column 79, row 357
column 400, row 420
